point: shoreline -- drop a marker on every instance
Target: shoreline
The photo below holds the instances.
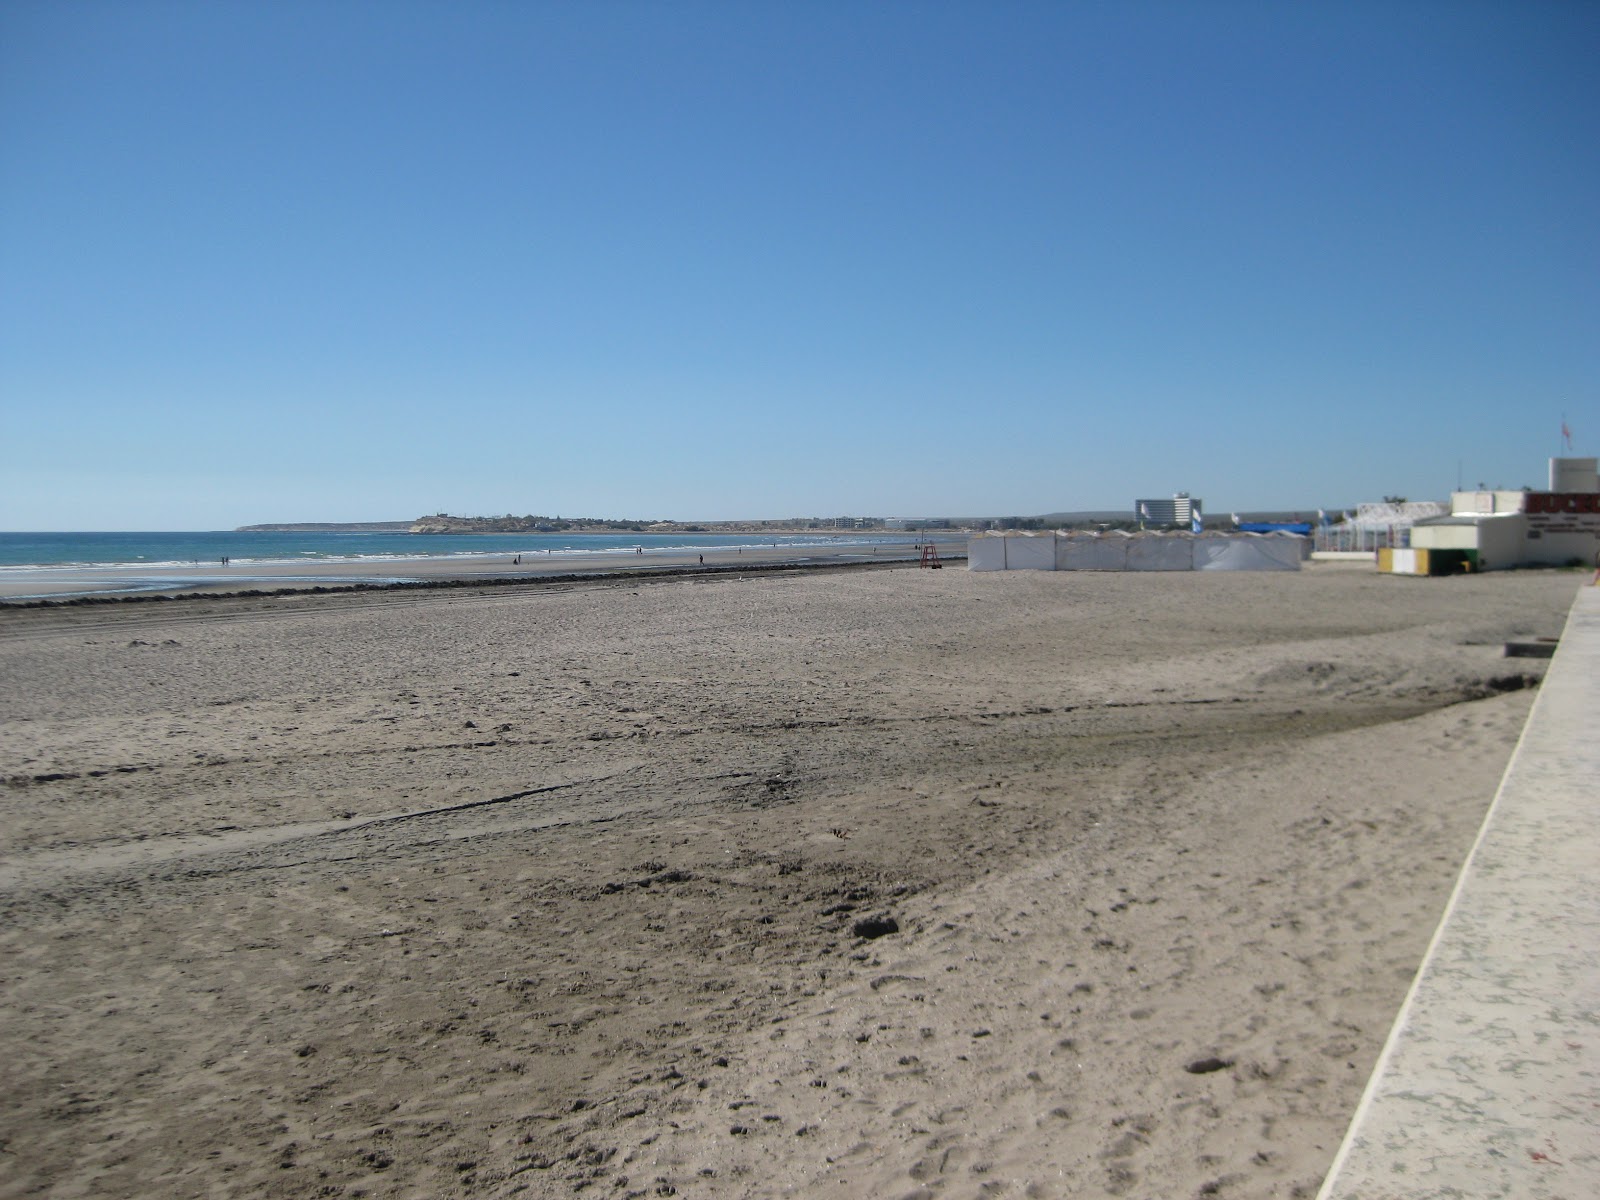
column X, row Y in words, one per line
column 54, row 586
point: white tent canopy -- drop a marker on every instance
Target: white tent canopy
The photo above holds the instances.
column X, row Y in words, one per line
column 1161, row 552
column 1030, row 553
column 1116, row 551
column 986, row 554
column 1269, row 552
column 1094, row 552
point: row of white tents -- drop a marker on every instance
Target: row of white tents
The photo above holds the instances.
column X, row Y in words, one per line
column 1118, row 551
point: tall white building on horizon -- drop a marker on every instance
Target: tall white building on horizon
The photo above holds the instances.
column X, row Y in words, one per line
column 1181, row 509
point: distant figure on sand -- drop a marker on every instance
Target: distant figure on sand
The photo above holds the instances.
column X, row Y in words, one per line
column 703, row 561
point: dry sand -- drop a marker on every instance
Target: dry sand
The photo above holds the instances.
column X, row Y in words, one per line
column 844, row 883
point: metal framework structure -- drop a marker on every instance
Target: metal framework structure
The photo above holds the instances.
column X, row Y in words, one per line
column 1377, row 526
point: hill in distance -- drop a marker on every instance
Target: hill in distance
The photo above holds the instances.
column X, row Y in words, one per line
column 329, row 527
column 440, row 523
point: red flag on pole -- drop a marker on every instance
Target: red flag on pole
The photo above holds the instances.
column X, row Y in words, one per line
column 1566, row 434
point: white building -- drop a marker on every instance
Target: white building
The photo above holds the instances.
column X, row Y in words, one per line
column 1490, row 529
column 1180, row 510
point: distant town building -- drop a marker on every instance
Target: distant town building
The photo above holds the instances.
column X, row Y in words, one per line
column 1181, row 509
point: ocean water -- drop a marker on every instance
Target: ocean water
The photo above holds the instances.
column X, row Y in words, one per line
column 31, row 551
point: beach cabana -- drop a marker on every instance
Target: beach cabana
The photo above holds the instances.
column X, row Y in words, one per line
column 1161, row 552
column 1093, row 552
column 986, row 554
column 1118, row 551
column 1031, row 552
column 1249, row 552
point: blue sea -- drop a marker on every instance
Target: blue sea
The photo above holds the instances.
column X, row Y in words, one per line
column 23, row 551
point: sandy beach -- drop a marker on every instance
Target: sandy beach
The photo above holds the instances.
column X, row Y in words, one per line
column 823, row 883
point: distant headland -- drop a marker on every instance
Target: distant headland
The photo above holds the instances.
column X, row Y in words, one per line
column 329, row 527
column 445, row 523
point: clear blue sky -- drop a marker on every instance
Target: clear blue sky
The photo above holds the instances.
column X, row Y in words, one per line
column 367, row 260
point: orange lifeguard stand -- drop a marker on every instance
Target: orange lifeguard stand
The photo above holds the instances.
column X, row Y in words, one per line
column 930, row 558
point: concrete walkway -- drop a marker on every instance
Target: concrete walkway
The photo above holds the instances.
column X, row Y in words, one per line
column 1490, row 1083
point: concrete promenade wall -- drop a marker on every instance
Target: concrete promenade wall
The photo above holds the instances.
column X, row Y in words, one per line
column 1489, row 1085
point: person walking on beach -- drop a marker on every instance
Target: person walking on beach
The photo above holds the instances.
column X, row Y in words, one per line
column 702, row 560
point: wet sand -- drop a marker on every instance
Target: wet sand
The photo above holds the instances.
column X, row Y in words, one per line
column 846, row 883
